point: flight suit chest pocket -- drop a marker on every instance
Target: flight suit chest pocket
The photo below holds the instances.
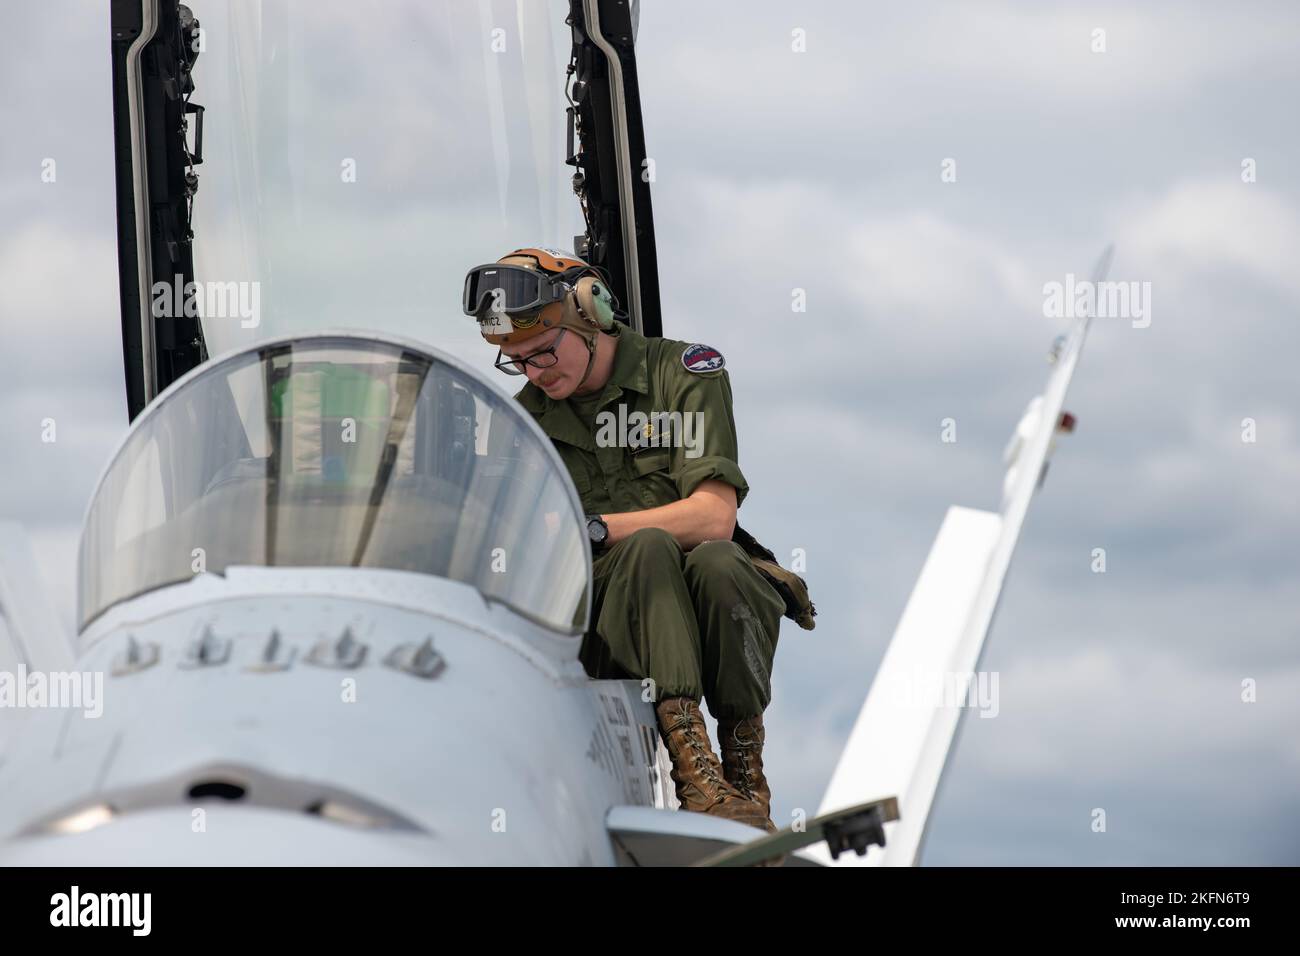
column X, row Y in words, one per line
column 581, row 481
column 651, row 460
column 651, row 481
column 578, row 472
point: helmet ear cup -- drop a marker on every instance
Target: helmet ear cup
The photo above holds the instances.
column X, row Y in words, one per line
column 593, row 297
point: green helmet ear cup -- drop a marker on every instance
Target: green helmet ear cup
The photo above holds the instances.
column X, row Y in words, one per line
column 594, row 298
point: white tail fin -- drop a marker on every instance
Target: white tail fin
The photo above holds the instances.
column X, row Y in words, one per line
column 901, row 741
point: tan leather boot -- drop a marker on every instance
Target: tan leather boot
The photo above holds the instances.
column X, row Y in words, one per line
column 742, row 762
column 696, row 770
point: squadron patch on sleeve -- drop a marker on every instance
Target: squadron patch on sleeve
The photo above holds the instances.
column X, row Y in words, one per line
column 702, row 358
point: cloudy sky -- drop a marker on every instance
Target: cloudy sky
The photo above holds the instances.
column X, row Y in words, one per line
column 775, row 170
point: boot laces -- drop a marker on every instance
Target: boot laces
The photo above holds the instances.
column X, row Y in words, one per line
column 699, row 753
column 743, row 750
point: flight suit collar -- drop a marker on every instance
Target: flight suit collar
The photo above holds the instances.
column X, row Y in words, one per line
column 629, row 363
column 561, row 422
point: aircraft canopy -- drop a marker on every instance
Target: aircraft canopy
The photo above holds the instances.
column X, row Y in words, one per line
column 339, row 451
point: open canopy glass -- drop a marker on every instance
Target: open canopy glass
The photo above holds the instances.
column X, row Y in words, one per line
column 357, row 161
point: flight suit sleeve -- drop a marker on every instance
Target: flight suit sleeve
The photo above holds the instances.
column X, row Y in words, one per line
column 708, row 449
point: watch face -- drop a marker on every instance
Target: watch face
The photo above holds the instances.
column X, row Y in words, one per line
column 597, row 530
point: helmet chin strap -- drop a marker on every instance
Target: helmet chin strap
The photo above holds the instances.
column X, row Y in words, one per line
column 591, row 362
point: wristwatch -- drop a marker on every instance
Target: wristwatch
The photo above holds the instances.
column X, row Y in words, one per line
column 597, row 531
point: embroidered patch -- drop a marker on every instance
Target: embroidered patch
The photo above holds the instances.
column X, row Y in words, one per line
column 702, row 358
column 494, row 323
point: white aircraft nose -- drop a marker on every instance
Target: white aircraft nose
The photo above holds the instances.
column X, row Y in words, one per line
column 230, row 835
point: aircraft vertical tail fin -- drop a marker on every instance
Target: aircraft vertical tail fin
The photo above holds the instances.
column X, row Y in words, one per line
column 900, row 740
column 903, row 736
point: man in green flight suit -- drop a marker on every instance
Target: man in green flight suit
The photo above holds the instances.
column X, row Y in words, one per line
column 646, row 430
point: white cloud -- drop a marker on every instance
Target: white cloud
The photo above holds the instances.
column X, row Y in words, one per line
column 1199, row 225
column 871, row 66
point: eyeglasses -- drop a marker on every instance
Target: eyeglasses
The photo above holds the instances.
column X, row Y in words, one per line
column 543, row 358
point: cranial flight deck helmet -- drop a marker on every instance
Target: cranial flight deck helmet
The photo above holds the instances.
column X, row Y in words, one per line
column 534, row 290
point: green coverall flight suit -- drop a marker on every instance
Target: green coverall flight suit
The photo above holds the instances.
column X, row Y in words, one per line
column 699, row 623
